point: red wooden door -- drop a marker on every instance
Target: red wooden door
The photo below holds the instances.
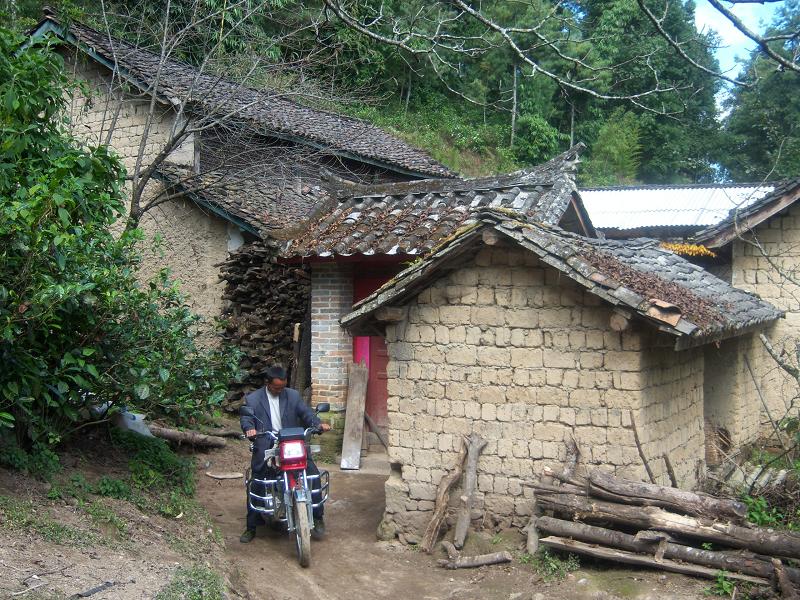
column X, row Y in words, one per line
column 372, row 350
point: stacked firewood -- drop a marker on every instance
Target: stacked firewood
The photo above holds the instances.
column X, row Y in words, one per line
column 630, row 522
column 264, row 300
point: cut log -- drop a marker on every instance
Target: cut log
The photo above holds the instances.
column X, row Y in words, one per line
column 354, row 416
column 787, row 589
column 475, row 444
column 737, row 562
column 532, row 536
column 227, row 475
column 442, row 498
column 573, row 454
column 191, row 438
column 670, row 471
column 452, row 553
column 641, row 450
column 604, row 485
column 763, row 541
column 621, row 556
column 469, row 562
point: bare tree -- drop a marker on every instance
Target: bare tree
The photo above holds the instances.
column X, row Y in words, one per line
column 180, row 106
column 548, row 40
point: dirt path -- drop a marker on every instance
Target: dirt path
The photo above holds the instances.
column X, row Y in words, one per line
column 351, row 564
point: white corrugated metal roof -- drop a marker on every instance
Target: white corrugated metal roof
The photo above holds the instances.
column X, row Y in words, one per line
column 662, row 206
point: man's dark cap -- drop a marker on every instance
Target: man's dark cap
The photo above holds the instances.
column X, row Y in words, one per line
column 274, row 372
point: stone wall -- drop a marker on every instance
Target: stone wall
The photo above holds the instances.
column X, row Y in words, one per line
column 508, row 348
column 780, row 239
column 331, row 345
column 179, row 234
column 731, row 399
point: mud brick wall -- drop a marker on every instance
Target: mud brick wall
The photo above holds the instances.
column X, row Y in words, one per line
column 179, row 235
column 331, row 345
column 506, row 348
column 730, row 395
column 779, row 238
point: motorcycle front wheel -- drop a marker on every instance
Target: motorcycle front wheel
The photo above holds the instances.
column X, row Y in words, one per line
column 302, row 533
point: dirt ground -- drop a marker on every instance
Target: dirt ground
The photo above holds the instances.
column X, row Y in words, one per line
column 350, row 563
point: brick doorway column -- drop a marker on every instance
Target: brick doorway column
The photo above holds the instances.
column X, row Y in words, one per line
column 331, row 346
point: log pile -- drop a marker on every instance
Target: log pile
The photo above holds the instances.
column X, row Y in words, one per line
column 264, row 300
column 661, row 527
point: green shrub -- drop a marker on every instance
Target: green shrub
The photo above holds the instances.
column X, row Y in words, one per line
column 40, row 461
column 111, row 487
column 153, row 465
column 76, row 324
column 551, row 566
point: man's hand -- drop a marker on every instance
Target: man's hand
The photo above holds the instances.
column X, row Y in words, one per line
column 250, row 433
column 325, row 426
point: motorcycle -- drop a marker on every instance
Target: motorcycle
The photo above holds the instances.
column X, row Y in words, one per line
column 287, row 497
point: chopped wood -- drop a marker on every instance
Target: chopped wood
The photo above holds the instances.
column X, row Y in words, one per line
column 621, row 556
column 532, row 533
column 225, row 433
column 442, row 498
column 787, row 589
column 641, row 451
column 227, row 475
column 469, row 562
column 452, row 553
column 567, row 488
column 263, row 300
column 475, row 443
column 192, row 438
column 604, row 485
column 670, row 471
column 655, row 542
column 763, row 541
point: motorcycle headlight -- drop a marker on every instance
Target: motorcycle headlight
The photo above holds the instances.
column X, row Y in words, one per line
column 293, row 450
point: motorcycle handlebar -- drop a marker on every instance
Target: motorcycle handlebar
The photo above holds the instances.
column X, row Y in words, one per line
column 274, row 436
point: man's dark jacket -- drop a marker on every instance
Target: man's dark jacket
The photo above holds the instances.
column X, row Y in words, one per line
column 294, row 413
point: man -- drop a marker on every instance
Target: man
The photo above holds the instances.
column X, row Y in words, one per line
column 275, row 407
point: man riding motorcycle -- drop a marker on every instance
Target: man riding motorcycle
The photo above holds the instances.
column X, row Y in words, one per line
column 275, row 406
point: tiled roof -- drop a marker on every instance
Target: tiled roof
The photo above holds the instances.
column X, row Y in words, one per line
column 412, row 217
column 268, row 111
column 257, row 204
column 667, row 206
column 783, row 194
column 636, row 276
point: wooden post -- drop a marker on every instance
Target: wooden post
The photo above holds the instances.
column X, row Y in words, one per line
column 475, row 444
column 641, row 451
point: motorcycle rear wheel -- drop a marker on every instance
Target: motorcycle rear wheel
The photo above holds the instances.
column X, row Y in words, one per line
column 302, row 533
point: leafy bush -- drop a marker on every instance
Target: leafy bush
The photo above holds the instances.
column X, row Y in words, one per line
column 760, row 513
column 76, row 326
column 550, row 566
column 153, row 465
column 111, row 487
